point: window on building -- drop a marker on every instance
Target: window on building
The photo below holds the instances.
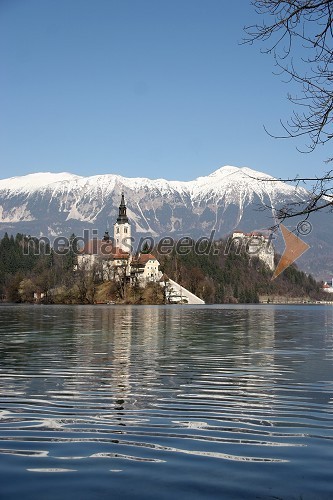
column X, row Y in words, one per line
column 125, row 229
column 117, row 229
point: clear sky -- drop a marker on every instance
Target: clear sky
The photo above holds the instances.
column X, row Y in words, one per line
column 149, row 88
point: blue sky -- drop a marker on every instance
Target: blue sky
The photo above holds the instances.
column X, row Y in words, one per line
column 150, row 88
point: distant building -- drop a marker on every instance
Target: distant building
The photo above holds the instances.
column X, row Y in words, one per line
column 256, row 244
column 114, row 259
column 122, row 228
column 328, row 286
column 146, row 267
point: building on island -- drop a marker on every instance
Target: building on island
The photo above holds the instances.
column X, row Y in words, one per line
column 113, row 259
column 122, row 228
column 146, row 266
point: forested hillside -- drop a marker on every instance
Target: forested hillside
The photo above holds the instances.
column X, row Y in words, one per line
column 217, row 277
column 230, row 278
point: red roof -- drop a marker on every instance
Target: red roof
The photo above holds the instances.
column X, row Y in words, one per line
column 143, row 258
column 103, row 249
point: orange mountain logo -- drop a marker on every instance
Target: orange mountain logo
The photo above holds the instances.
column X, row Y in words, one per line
column 295, row 247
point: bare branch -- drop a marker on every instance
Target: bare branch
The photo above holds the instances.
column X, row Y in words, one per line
column 305, row 25
column 298, row 32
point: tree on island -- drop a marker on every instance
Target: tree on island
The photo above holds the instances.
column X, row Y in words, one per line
column 304, row 27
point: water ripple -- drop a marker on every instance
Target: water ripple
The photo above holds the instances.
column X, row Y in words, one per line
column 174, row 392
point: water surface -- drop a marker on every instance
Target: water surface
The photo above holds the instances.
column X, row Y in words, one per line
column 166, row 402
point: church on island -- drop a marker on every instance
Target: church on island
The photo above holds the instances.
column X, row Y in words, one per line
column 115, row 260
column 114, row 257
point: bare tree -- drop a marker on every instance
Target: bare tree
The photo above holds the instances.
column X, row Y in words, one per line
column 299, row 35
column 120, row 279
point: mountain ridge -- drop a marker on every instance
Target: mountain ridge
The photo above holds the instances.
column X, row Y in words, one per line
column 49, row 179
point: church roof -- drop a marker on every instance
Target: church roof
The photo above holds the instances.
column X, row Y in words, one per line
column 143, row 258
column 104, row 249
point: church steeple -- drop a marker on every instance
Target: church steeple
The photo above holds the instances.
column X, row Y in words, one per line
column 122, row 228
column 122, row 217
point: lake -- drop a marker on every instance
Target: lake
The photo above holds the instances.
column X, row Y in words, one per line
column 161, row 402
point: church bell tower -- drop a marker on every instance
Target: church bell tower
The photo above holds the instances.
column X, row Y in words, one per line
column 122, row 228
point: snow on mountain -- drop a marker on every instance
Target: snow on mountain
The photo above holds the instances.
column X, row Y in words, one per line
column 224, row 179
column 34, row 182
column 84, row 198
column 232, row 181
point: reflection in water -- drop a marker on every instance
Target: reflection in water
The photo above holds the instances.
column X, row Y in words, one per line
column 208, row 390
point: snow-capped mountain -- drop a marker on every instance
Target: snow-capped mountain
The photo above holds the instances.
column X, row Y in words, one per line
column 59, row 204
column 49, row 201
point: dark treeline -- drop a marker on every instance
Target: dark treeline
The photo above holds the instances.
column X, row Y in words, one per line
column 30, row 271
column 43, row 275
column 228, row 277
column 28, row 266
